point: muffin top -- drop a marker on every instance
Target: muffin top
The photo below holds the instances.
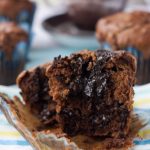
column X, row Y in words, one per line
column 10, row 35
column 14, row 7
column 86, row 13
column 125, row 29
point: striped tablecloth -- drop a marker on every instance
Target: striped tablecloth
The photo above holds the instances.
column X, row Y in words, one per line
column 10, row 139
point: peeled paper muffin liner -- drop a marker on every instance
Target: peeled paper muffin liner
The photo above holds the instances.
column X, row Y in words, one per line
column 12, row 64
column 20, row 117
column 143, row 65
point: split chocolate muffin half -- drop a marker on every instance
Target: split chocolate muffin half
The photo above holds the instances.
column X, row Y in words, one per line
column 93, row 91
column 34, row 90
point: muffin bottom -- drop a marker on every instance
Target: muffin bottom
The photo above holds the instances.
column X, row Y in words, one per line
column 10, row 70
column 12, row 64
column 55, row 138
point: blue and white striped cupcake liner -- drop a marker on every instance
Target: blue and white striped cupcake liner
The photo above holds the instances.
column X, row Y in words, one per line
column 25, row 21
column 11, row 67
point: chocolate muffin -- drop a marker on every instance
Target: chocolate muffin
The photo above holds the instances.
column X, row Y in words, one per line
column 14, row 7
column 93, row 92
column 19, row 11
column 13, row 44
column 34, row 90
column 87, row 96
column 128, row 31
column 86, row 13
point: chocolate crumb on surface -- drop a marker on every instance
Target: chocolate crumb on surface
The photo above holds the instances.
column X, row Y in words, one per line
column 93, row 92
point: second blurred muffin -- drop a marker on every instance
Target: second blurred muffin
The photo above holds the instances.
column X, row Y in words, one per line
column 85, row 13
column 13, row 45
column 19, row 11
column 131, row 32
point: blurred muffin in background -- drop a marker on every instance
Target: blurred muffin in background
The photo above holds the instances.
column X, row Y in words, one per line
column 13, row 45
column 85, row 13
column 131, row 32
column 19, row 11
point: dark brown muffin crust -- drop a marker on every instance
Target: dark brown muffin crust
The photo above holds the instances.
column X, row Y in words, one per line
column 10, row 36
column 34, row 89
column 122, row 29
column 93, row 92
column 12, row 8
column 86, row 13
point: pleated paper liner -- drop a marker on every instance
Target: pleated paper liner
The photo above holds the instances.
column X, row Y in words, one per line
column 28, row 125
column 11, row 66
column 143, row 65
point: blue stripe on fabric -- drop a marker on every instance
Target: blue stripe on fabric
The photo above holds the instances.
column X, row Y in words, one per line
column 142, row 142
column 13, row 142
column 25, row 143
column 142, row 110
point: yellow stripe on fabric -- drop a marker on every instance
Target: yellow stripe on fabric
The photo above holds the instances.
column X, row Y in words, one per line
column 142, row 102
column 10, row 134
column 144, row 133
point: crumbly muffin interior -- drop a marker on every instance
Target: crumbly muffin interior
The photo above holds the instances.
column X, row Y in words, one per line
column 93, row 92
column 34, row 86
